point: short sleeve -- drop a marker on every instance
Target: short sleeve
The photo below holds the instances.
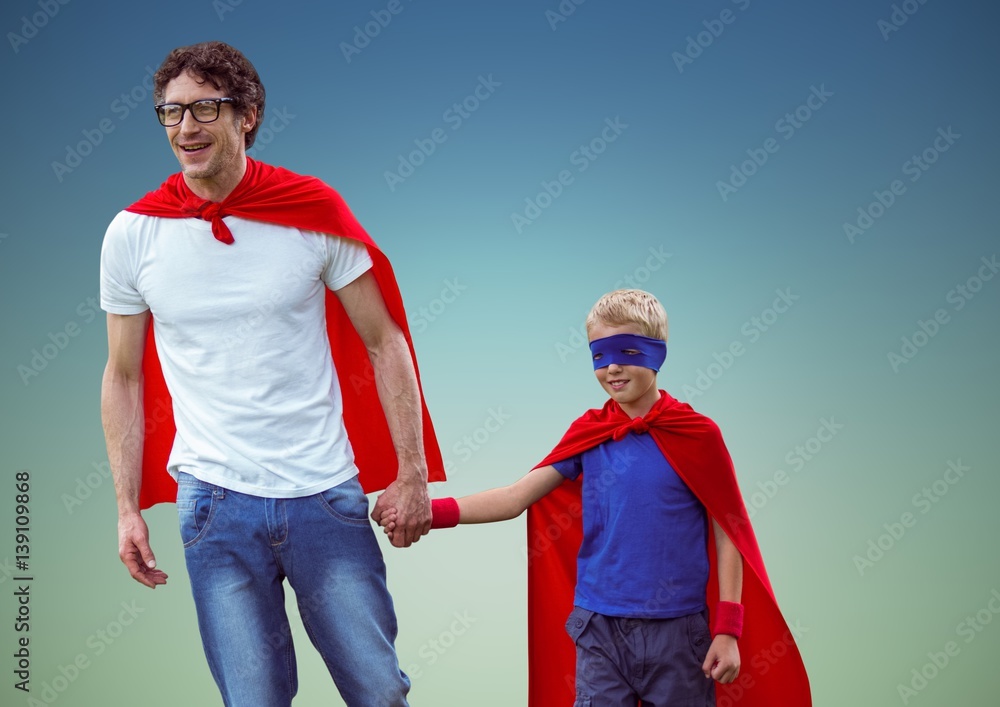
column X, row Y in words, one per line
column 119, row 294
column 571, row 468
column 346, row 260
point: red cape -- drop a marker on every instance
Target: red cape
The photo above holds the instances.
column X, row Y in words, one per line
column 771, row 670
column 276, row 195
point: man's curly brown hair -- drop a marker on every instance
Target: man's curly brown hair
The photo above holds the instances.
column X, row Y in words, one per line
column 222, row 66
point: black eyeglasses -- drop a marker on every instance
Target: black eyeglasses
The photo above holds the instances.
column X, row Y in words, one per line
column 204, row 111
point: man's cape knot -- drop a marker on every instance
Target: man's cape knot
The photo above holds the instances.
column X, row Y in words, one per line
column 211, row 211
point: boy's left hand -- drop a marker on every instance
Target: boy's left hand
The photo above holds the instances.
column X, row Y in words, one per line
column 723, row 660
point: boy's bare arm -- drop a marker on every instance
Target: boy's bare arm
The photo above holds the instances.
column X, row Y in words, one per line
column 509, row 501
column 723, row 660
column 497, row 504
column 730, row 563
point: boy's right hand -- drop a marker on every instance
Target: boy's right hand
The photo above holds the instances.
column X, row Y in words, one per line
column 388, row 521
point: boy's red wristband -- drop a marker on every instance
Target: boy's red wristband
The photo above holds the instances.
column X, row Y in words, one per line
column 445, row 512
column 728, row 619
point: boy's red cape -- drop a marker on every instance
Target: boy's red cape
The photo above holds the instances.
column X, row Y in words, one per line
column 276, row 195
column 771, row 672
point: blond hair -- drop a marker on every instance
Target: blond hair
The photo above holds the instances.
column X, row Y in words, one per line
column 637, row 307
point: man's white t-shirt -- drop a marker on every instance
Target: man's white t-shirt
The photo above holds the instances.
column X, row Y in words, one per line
column 242, row 341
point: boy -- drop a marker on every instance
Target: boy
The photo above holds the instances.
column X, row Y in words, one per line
column 654, row 471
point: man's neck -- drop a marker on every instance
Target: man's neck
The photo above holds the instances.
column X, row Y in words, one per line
column 221, row 185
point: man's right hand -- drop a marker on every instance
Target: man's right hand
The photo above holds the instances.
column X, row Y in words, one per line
column 412, row 508
column 135, row 553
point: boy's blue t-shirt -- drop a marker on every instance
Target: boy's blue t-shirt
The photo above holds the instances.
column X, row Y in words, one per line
column 644, row 552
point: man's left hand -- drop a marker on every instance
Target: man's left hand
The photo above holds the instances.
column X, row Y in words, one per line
column 413, row 511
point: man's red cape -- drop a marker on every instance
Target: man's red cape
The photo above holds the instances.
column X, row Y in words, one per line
column 276, row 195
column 771, row 671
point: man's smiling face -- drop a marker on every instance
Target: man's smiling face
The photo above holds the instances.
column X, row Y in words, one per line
column 206, row 150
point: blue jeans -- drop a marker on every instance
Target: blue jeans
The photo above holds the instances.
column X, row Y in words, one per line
column 240, row 548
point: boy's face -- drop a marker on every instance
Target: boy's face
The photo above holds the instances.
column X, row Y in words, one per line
column 632, row 387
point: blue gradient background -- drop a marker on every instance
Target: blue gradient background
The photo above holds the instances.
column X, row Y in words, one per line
column 507, row 347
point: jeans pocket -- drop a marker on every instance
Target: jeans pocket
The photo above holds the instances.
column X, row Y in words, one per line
column 346, row 502
column 577, row 622
column 699, row 634
column 196, row 505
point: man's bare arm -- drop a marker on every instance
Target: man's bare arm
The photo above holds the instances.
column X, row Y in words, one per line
column 396, row 382
column 124, row 422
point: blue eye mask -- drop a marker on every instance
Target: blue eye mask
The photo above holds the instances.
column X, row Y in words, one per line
column 629, row 350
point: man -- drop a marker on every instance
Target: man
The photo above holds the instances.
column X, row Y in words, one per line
column 220, row 281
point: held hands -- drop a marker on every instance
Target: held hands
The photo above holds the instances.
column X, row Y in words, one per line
column 388, row 522
column 135, row 553
column 723, row 660
column 445, row 513
column 410, row 512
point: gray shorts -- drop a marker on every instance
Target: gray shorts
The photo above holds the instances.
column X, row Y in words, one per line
column 621, row 661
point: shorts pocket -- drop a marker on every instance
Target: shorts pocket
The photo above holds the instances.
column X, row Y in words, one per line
column 196, row 506
column 577, row 622
column 346, row 502
column 699, row 635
